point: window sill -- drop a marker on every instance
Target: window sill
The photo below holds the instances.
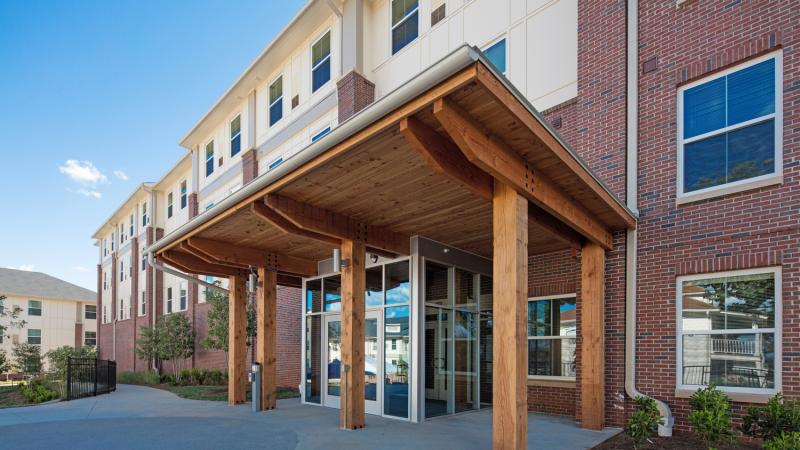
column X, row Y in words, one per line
column 743, row 397
column 557, row 382
column 726, row 190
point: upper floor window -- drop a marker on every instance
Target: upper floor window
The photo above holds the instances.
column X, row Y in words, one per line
column 183, row 296
column 121, row 233
column 144, row 214
column 729, row 330
column 184, row 198
column 275, row 163
column 405, row 23
column 121, row 271
column 34, row 336
column 169, row 205
column 121, row 309
column 90, row 338
column 90, row 312
column 169, row 300
column 144, row 259
column 276, row 101
column 105, row 280
column 133, row 225
column 320, row 133
column 209, row 158
column 105, row 247
column 236, row 135
column 552, row 335
column 321, row 62
column 112, row 241
column 497, row 54
column 729, row 129
column 143, row 304
column 34, row 308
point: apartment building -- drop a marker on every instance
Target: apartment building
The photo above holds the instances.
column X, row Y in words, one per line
column 55, row 312
column 617, row 177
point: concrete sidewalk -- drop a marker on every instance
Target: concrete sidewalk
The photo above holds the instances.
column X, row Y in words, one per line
column 139, row 417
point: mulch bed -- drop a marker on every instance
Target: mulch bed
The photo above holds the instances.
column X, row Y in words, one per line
column 679, row 441
column 10, row 396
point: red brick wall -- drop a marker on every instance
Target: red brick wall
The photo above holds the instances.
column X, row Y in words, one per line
column 354, row 93
column 249, row 166
column 756, row 228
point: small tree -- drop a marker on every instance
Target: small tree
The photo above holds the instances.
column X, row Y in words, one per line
column 5, row 363
column 175, row 340
column 147, row 345
column 57, row 359
column 27, row 359
column 9, row 317
column 218, row 317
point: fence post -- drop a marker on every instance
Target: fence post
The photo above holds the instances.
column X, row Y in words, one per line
column 95, row 377
column 69, row 378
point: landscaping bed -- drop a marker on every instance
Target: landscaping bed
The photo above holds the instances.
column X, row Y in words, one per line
column 195, row 384
column 11, row 396
column 679, row 441
column 216, row 393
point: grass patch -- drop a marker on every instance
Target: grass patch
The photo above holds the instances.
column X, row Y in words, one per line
column 11, row 396
column 216, row 393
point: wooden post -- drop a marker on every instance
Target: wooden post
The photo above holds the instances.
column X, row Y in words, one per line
column 510, row 300
column 353, row 311
column 593, row 336
column 237, row 340
column 266, row 345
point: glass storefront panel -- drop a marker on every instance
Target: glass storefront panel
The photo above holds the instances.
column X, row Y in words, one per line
column 465, row 290
column 313, row 357
column 334, row 357
column 438, row 357
column 466, row 346
column 333, row 293
column 371, row 359
column 398, row 283
column 436, row 284
column 374, row 287
column 314, row 296
column 397, row 361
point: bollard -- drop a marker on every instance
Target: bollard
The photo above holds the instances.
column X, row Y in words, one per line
column 255, row 389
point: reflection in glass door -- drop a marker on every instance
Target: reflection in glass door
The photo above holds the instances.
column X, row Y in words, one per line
column 437, row 362
column 372, row 364
column 333, row 378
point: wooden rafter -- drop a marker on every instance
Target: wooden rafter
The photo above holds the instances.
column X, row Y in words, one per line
column 329, row 223
column 227, row 254
column 187, row 247
column 494, row 157
column 192, row 264
column 275, row 219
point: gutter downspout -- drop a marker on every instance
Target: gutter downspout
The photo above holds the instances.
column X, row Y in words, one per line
column 631, row 247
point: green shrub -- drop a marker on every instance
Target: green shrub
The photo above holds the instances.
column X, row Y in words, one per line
column 139, row 378
column 214, row 377
column 785, row 441
column 644, row 421
column 37, row 392
column 778, row 416
column 711, row 415
column 168, row 378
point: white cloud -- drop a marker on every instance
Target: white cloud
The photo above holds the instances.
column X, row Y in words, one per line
column 83, row 172
column 25, row 267
column 80, row 269
column 91, row 193
column 121, row 175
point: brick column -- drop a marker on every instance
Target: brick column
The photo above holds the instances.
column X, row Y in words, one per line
column 133, row 309
column 249, row 166
column 354, row 93
column 99, row 305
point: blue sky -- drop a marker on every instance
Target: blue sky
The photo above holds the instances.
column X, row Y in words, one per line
column 94, row 97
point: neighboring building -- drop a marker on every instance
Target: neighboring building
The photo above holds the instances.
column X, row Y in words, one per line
column 685, row 110
column 56, row 313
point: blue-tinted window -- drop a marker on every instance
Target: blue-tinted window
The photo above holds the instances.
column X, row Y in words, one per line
column 276, row 101
column 236, row 135
column 321, row 62
column 275, row 163
column 209, row 158
column 497, row 55
column 405, row 23
column 320, row 134
column 717, row 149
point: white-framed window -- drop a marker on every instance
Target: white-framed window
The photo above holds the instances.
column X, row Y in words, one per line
column 121, row 270
column 121, row 233
column 497, row 54
column 144, row 259
column 105, row 280
column 112, row 241
column 144, row 214
column 183, row 301
column 90, row 338
column 321, row 133
column 130, row 266
column 34, row 336
column 321, row 61
column 184, row 194
column 34, row 308
column 169, row 205
column 143, row 304
column 121, row 315
column 210, row 158
column 276, row 100
column 730, row 130
column 275, row 163
column 552, row 336
column 133, row 225
column 105, row 247
column 90, row 312
column 169, row 300
column 405, row 23
column 728, row 331
column 236, row 135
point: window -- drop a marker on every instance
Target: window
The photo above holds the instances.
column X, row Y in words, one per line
column 405, row 23
column 34, row 336
column 112, row 241
column 90, row 338
column 183, row 296
column 321, row 133
column 496, row 53
column 729, row 129
column 277, row 162
column 130, row 266
column 143, row 304
column 144, row 214
column 321, row 62
column 105, row 281
column 276, row 101
column 184, row 198
column 236, row 135
column 121, row 315
column 121, row 233
column 121, row 271
column 727, row 331
column 169, row 300
column 209, row 158
column 144, row 259
column 105, row 247
column 437, row 12
column 34, row 308
column 90, row 312
column 133, row 224
column 169, row 205
column 552, row 336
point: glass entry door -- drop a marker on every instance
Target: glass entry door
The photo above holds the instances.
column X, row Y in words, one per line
column 333, row 360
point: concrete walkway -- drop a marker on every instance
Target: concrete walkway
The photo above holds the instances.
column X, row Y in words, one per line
column 139, row 417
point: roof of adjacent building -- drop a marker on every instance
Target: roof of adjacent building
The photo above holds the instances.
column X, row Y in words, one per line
column 37, row 284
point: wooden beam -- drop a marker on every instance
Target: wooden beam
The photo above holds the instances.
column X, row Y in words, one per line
column 186, row 247
column 510, row 302
column 505, row 165
column 592, row 304
column 275, row 219
column 353, row 315
column 193, row 264
column 267, row 336
column 165, row 258
column 322, row 221
column 289, row 280
column 555, row 227
column 237, row 339
column 228, row 254
column 521, row 113
column 444, row 157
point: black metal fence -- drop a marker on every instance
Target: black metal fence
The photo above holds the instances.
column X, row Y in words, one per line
column 89, row 377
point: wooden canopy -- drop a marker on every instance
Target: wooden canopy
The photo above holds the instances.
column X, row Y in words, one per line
column 426, row 168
